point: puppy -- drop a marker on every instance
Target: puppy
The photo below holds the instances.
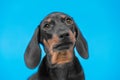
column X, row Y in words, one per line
column 59, row 35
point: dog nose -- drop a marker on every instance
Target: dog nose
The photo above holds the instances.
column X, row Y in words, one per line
column 64, row 35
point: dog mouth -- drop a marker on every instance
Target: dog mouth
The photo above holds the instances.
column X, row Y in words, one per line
column 63, row 46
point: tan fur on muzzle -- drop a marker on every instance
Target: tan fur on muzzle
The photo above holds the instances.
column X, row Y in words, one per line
column 60, row 57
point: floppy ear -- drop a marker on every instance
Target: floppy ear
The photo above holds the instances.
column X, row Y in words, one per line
column 81, row 44
column 33, row 52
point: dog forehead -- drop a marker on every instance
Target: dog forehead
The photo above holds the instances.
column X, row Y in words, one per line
column 55, row 15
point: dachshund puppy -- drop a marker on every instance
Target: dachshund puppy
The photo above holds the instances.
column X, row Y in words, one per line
column 59, row 35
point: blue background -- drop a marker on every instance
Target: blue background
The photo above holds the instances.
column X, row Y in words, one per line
column 99, row 21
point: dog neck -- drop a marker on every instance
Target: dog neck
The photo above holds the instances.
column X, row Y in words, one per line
column 60, row 72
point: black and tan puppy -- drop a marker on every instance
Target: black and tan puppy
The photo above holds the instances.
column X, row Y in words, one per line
column 59, row 35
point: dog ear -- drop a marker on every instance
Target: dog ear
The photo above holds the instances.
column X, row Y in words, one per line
column 32, row 54
column 81, row 44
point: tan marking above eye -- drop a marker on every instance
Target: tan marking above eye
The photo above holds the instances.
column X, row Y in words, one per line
column 48, row 20
column 62, row 16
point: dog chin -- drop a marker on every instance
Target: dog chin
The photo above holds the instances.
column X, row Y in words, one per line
column 62, row 57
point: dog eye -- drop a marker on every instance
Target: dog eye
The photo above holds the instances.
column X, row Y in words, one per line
column 46, row 26
column 68, row 21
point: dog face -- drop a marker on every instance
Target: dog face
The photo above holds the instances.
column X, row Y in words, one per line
column 59, row 35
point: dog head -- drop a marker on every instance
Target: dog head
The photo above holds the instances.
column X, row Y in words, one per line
column 59, row 35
